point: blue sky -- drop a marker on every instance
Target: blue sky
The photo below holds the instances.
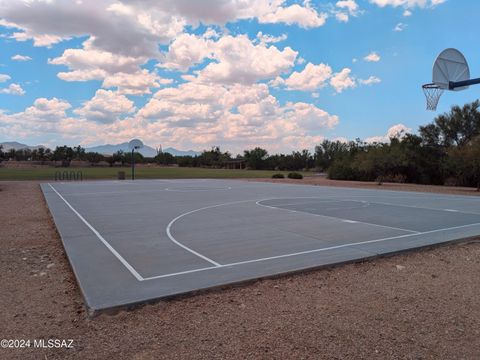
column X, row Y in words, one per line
column 279, row 74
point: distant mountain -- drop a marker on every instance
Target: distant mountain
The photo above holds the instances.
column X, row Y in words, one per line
column 147, row 151
column 8, row 145
column 110, row 149
column 176, row 152
column 107, row 149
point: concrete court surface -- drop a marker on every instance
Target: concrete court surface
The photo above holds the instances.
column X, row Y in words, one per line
column 133, row 242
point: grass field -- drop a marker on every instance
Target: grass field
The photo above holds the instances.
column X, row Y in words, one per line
column 140, row 173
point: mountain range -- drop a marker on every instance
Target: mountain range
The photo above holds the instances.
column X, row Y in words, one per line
column 148, row 151
column 8, row 145
column 107, row 149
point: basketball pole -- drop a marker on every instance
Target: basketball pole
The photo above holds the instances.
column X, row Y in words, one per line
column 452, row 85
column 133, row 164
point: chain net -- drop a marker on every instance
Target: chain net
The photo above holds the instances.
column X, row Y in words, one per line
column 432, row 94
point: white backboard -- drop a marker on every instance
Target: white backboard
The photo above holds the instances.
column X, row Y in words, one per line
column 450, row 65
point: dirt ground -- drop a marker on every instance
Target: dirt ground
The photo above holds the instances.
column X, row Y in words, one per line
column 323, row 181
column 420, row 305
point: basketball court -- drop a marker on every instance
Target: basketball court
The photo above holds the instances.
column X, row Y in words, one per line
column 132, row 242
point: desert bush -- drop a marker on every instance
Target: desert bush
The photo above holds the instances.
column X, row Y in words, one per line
column 295, row 175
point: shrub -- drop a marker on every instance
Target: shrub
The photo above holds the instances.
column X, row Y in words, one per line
column 397, row 178
column 451, row 181
column 343, row 170
column 295, row 175
column 278, row 176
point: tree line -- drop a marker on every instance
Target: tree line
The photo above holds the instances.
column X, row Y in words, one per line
column 66, row 154
column 256, row 159
column 446, row 151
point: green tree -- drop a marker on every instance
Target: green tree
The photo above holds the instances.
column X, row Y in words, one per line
column 138, row 157
column 93, row 157
column 213, row 158
column 165, row 158
column 41, row 154
column 186, row 161
column 79, row 153
column 119, row 156
column 378, row 162
column 454, row 128
column 328, row 151
column 63, row 153
column 256, row 158
column 465, row 163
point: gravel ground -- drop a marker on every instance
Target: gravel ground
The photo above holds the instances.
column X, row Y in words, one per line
column 421, row 305
column 323, row 181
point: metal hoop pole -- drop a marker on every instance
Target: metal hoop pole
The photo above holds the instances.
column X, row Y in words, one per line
column 452, row 85
column 133, row 164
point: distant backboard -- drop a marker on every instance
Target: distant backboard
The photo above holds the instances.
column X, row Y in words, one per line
column 135, row 144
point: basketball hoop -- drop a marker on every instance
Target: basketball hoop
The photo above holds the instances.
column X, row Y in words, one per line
column 432, row 94
column 450, row 72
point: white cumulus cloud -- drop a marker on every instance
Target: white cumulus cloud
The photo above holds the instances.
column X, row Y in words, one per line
column 407, row 3
column 13, row 89
column 342, row 80
column 267, row 39
column 372, row 57
column 304, row 16
column 106, row 107
column 397, row 131
column 346, row 8
column 370, row 81
column 19, row 57
column 138, row 83
column 4, row 77
column 238, row 60
column 400, row 27
column 312, row 77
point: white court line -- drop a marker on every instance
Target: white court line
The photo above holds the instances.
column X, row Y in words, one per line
column 216, row 264
column 172, row 238
column 423, row 207
column 116, row 192
column 364, row 205
column 310, row 251
column 182, row 272
column 100, row 237
column 195, row 190
column 395, row 195
column 350, row 244
column 334, row 217
column 309, row 203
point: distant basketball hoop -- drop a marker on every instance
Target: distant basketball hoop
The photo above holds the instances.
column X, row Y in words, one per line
column 133, row 145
